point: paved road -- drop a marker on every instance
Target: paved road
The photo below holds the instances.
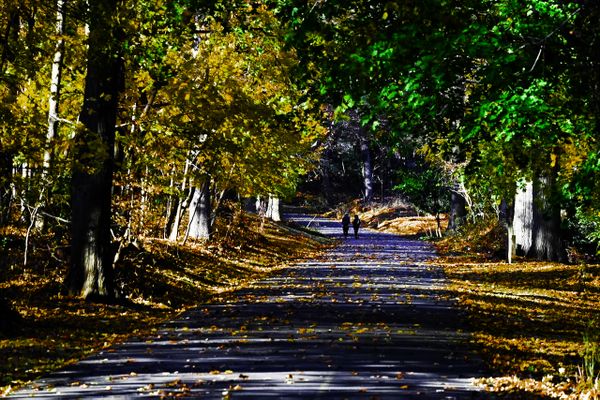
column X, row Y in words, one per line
column 368, row 320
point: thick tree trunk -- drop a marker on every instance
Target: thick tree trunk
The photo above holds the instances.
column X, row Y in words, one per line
column 458, row 211
column 91, row 272
column 273, row 209
column 367, row 166
column 200, row 226
column 458, row 208
column 522, row 226
column 536, row 222
column 546, row 239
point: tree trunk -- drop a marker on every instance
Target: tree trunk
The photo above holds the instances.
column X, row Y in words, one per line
column 536, row 221
column 6, row 171
column 546, row 239
column 11, row 34
column 522, row 226
column 170, row 209
column 273, row 209
column 53, row 110
column 181, row 204
column 367, row 166
column 261, row 206
column 510, row 244
column 91, row 272
column 325, row 164
column 143, row 204
column 506, row 218
column 55, row 81
column 325, row 169
column 200, row 213
column 7, row 192
column 458, row 208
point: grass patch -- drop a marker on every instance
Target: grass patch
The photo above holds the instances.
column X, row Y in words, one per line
column 157, row 278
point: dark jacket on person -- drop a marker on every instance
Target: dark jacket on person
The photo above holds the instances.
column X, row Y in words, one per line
column 346, row 223
column 356, row 225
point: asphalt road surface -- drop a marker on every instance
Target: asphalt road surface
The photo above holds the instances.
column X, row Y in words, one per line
column 370, row 319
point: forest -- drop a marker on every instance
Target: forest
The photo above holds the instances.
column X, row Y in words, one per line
column 129, row 125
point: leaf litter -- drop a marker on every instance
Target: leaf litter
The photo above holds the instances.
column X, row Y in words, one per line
column 160, row 280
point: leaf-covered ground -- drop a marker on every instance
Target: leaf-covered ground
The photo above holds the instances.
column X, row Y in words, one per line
column 529, row 317
column 368, row 319
column 158, row 279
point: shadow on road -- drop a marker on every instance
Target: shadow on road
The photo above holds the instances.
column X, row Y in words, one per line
column 368, row 320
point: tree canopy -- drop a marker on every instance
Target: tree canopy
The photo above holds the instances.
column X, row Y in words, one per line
column 246, row 98
column 501, row 90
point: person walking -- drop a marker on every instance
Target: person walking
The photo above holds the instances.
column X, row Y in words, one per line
column 346, row 223
column 356, row 225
